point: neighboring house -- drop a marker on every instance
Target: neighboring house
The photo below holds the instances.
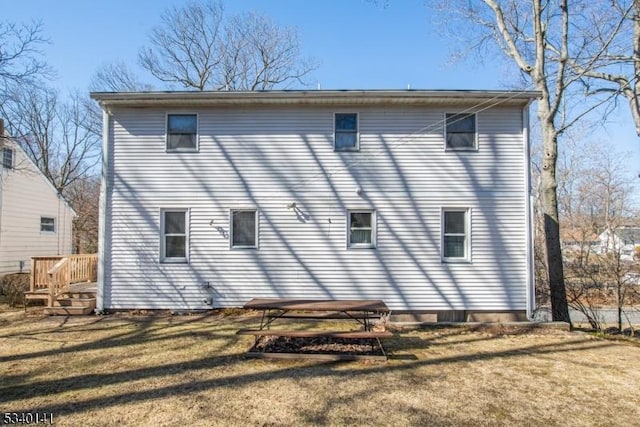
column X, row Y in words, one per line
column 34, row 219
column 418, row 198
column 624, row 240
column 577, row 239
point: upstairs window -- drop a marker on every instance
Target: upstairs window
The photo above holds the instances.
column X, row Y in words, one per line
column 244, row 228
column 174, row 244
column 461, row 131
column 7, row 158
column 47, row 224
column 182, row 132
column 455, row 235
column 361, row 229
column 346, row 132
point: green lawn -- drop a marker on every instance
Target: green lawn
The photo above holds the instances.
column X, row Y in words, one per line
column 190, row 370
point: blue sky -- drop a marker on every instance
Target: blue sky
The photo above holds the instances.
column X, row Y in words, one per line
column 360, row 45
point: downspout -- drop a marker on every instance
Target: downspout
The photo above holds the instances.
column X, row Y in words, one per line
column 102, row 217
column 529, row 202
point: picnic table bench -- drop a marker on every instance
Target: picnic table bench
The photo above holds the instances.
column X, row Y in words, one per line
column 361, row 311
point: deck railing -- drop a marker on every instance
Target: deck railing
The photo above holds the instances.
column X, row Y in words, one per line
column 56, row 273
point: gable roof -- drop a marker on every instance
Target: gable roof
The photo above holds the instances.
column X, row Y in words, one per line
column 577, row 234
column 482, row 98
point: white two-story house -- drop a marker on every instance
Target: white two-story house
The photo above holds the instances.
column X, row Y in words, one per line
column 35, row 220
column 418, row 198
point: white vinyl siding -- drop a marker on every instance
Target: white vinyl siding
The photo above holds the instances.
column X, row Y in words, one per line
column 270, row 157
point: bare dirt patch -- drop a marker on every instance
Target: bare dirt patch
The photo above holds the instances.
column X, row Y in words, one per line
column 191, row 370
column 317, row 345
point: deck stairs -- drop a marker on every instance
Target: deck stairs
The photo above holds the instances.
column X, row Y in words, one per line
column 66, row 284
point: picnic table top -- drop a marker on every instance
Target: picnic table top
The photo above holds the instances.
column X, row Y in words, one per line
column 376, row 306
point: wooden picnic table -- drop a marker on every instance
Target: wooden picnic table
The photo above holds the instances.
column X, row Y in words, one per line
column 375, row 306
column 362, row 311
column 359, row 310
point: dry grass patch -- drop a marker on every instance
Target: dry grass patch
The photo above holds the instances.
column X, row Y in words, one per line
column 191, row 370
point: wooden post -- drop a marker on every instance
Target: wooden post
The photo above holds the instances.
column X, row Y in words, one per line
column 32, row 281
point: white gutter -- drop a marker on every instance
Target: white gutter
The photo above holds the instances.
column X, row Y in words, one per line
column 321, row 97
column 529, row 241
column 102, row 219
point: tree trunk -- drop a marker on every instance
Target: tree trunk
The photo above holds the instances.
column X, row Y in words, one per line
column 619, row 319
column 634, row 102
column 549, row 206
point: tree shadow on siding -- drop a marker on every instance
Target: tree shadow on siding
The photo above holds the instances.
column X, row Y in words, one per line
column 201, row 272
column 151, row 278
column 431, row 234
column 250, row 194
column 485, row 203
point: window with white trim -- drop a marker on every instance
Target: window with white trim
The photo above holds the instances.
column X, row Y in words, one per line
column 461, row 131
column 455, row 234
column 244, row 228
column 182, row 132
column 47, row 224
column 7, row 158
column 174, row 227
column 345, row 137
column 361, row 229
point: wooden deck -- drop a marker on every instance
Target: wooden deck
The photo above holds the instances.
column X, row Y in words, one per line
column 67, row 284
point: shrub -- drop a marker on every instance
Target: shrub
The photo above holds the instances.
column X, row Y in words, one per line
column 13, row 287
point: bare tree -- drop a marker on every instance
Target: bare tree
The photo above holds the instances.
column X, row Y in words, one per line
column 259, row 55
column 117, row 77
column 597, row 202
column 60, row 138
column 21, row 59
column 196, row 48
column 609, row 58
column 83, row 196
column 186, row 46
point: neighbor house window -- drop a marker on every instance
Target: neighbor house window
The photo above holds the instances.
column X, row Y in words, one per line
column 455, row 234
column 361, row 229
column 346, row 132
column 7, row 158
column 461, row 131
column 47, row 224
column 182, row 132
column 174, row 245
column 244, row 228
